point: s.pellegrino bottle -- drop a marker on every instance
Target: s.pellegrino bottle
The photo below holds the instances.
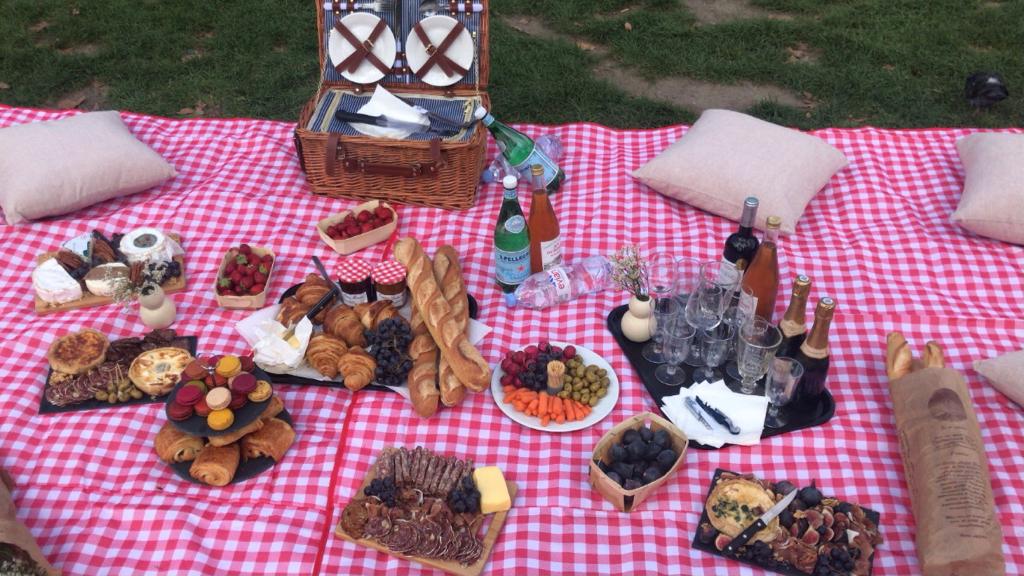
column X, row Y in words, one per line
column 794, row 324
column 511, row 241
column 741, row 245
column 521, row 151
column 814, row 354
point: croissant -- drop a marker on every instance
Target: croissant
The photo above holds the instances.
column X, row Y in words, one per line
column 343, row 322
column 312, row 290
column 373, row 313
column 291, row 311
column 358, row 367
column 173, row 445
column 274, row 407
column 324, row 352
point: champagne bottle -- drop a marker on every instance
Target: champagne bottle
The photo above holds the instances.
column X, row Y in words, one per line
column 511, row 240
column 813, row 353
column 521, row 151
column 762, row 276
column 741, row 245
column 545, row 236
column 794, row 325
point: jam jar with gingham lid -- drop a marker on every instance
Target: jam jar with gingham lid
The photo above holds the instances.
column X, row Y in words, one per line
column 389, row 282
column 354, row 279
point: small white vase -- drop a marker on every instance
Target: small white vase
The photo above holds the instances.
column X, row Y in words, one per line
column 636, row 323
column 156, row 310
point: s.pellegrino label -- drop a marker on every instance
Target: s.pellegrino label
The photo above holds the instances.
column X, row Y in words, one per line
column 537, row 156
column 512, row 267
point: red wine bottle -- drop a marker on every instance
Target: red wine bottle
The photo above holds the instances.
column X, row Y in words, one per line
column 813, row 354
column 741, row 245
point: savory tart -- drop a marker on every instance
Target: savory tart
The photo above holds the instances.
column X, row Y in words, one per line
column 156, row 371
column 736, row 503
column 78, row 353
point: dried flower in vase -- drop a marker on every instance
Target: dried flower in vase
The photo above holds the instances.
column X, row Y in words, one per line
column 629, row 271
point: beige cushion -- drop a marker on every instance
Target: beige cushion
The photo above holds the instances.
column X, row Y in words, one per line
column 1006, row 374
column 56, row 167
column 993, row 197
column 727, row 156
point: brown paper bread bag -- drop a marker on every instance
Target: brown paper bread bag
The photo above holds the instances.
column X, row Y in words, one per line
column 1006, row 374
column 958, row 532
column 15, row 534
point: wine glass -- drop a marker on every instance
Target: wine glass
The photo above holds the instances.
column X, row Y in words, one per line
column 758, row 343
column 662, row 277
column 678, row 337
column 706, row 305
column 779, row 387
column 739, row 313
column 715, row 350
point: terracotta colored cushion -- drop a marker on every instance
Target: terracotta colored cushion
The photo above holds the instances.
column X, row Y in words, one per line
column 1006, row 374
column 59, row 166
column 993, row 197
column 727, row 156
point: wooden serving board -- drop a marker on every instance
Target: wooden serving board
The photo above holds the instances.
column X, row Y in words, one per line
column 89, row 300
column 490, row 537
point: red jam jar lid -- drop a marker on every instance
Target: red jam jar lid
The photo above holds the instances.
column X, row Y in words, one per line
column 353, row 270
column 388, row 272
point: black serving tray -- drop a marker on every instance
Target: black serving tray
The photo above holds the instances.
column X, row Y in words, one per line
column 781, row 568
column 246, row 468
column 299, row 380
column 799, row 414
column 196, row 425
column 45, row 407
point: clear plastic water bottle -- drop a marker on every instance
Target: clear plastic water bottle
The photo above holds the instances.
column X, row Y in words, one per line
column 551, row 144
column 497, row 170
column 562, row 283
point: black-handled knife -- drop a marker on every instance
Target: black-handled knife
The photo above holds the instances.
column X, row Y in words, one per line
column 759, row 524
column 719, row 416
column 386, row 122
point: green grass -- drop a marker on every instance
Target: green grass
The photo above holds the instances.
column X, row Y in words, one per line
column 880, row 62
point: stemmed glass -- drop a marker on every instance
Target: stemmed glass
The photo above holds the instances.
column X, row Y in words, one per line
column 662, row 277
column 779, row 387
column 738, row 314
column 678, row 335
column 759, row 341
column 715, row 350
column 707, row 303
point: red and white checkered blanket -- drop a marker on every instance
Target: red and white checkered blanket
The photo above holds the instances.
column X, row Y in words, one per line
column 878, row 238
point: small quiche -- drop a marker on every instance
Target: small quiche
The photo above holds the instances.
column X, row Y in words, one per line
column 78, row 353
column 156, row 371
column 736, row 503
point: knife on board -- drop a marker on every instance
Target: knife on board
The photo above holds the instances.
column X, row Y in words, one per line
column 719, row 416
column 759, row 524
column 322, row 303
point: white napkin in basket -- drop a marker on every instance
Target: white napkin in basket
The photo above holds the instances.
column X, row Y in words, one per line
column 746, row 411
column 387, row 104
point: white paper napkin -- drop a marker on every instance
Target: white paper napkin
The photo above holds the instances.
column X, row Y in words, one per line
column 746, row 411
column 385, row 103
column 271, row 353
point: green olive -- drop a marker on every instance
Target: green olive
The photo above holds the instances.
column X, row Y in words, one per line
column 593, row 400
column 112, row 399
column 135, row 393
column 605, row 381
column 101, row 395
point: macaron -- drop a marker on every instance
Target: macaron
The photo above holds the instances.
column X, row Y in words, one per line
column 243, row 383
column 220, row 419
column 188, row 395
column 247, row 364
column 201, row 408
column 229, row 366
column 219, row 380
column 218, row 398
column 198, row 384
column 179, row 412
column 262, row 393
column 237, row 401
column 194, row 371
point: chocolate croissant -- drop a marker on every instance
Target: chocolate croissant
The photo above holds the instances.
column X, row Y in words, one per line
column 216, row 465
column 343, row 322
column 373, row 313
column 324, row 352
column 173, row 445
column 358, row 367
column 274, row 407
column 273, row 440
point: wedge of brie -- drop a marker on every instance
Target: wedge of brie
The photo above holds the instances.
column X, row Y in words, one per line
column 53, row 284
column 105, row 279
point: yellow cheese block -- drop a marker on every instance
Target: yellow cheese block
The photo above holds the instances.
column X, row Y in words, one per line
column 493, row 490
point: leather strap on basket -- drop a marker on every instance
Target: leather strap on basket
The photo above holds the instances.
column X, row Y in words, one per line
column 413, row 170
column 437, row 53
column 363, row 49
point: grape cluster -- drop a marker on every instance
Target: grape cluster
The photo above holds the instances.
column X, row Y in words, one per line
column 389, row 346
column 385, row 489
column 759, row 553
column 160, row 272
column 529, row 368
column 465, row 498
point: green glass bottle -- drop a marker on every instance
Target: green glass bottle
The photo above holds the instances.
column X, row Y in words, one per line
column 511, row 241
column 521, row 151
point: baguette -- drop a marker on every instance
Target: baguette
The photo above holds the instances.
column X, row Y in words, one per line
column 449, row 277
column 422, row 378
column 466, row 362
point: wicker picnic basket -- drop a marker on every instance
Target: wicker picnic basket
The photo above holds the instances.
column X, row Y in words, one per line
column 443, row 174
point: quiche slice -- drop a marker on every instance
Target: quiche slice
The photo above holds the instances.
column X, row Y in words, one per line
column 736, row 503
column 156, row 371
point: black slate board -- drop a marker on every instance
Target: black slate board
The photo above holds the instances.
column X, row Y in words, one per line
column 246, row 468
column 45, row 407
column 782, row 568
column 800, row 414
column 196, row 425
column 299, row 380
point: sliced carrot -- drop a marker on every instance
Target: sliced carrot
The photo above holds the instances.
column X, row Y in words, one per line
column 543, row 407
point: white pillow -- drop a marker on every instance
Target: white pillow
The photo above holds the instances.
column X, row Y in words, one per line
column 992, row 204
column 59, row 166
column 727, row 156
column 1006, row 374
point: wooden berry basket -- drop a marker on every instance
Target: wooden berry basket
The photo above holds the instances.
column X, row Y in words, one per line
column 442, row 174
column 348, row 246
column 248, row 302
column 627, row 500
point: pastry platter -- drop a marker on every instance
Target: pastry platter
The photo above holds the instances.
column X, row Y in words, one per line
column 600, row 409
